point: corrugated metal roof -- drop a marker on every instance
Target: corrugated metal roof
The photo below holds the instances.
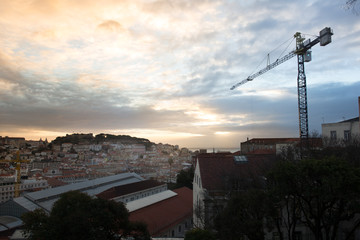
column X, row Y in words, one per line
column 10, row 221
column 129, row 188
column 46, row 198
column 86, row 186
column 162, row 216
column 26, row 203
column 144, row 202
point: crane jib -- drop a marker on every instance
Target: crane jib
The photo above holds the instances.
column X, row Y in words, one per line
column 302, row 48
column 264, row 70
column 304, row 55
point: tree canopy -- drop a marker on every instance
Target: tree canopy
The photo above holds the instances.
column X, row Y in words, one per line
column 243, row 216
column 78, row 138
column 319, row 193
column 199, row 234
column 185, row 178
column 78, row 216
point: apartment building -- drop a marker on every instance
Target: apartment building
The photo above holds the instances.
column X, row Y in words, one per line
column 7, row 187
column 342, row 131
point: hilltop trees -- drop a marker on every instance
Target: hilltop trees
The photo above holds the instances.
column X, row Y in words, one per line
column 78, row 216
column 78, row 138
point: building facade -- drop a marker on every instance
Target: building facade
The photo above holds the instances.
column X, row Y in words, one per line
column 342, row 131
column 217, row 175
column 7, row 187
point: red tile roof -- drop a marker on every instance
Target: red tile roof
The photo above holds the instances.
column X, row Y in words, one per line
column 54, row 182
column 128, row 188
column 164, row 215
column 216, row 171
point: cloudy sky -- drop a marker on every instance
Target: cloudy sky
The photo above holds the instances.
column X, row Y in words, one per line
column 163, row 69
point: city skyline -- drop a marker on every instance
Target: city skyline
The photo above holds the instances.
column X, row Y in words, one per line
column 162, row 70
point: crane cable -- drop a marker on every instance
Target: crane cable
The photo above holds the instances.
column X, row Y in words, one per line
column 268, row 55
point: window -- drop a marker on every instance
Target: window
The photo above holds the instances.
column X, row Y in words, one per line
column 179, row 228
column 333, row 135
column 347, row 135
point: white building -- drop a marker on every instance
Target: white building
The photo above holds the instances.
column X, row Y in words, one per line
column 341, row 131
column 7, row 187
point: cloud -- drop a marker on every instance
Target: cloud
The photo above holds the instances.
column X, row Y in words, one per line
column 165, row 67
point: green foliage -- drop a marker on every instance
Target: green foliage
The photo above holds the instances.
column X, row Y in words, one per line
column 320, row 193
column 77, row 138
column 36, row 224
column 78, row 216
column 199, row 234
column 243, row 216
column 139, row 231
column 185, row 178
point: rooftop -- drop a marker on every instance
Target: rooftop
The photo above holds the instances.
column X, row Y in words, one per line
column 46, row 198
column 356, row 119
column 216, row 172
column 152, row 199
column 128, row 188
column 167, row 213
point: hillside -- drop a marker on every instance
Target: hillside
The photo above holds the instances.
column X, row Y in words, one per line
column 89, row 138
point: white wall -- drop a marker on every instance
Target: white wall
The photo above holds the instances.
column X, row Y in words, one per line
column 340, row 128
column 198, row 196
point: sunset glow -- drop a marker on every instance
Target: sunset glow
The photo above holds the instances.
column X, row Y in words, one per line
column 162, row 70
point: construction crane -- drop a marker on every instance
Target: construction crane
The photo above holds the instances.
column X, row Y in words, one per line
column 303, row 54
column 18, row 162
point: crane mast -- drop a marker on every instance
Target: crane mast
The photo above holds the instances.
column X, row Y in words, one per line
column 303, row 54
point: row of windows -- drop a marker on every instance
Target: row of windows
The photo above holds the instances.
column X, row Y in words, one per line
column 145, row 194
column 347, row 135
column 3, row 189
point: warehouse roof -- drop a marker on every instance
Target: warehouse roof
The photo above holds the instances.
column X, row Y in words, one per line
column 46, row 198
column 129, row 188
column 164, row 215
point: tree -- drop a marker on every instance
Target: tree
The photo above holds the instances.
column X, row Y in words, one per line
column 282, row 203
column 199, row 234
column 185, row 178
column 243, row 216
column 78, row 216
column 320, row 193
